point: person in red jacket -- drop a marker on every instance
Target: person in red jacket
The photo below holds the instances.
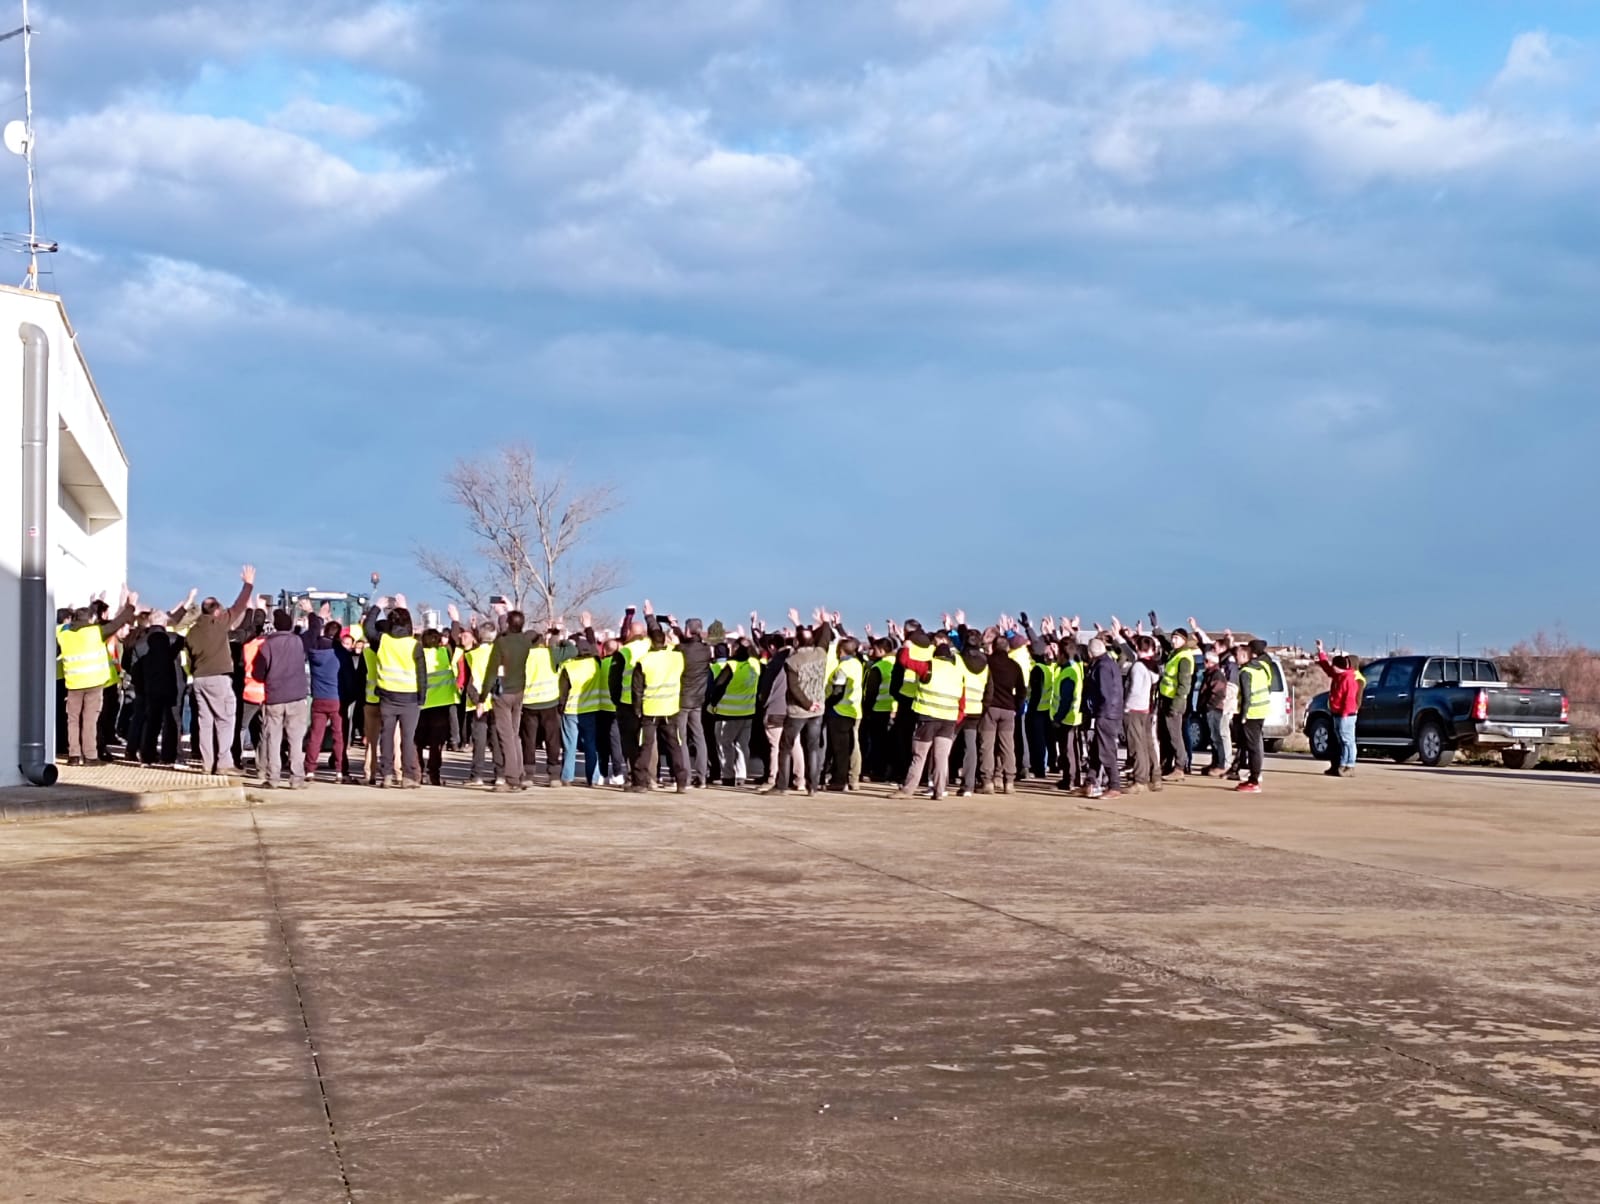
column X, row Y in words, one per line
column 1344, row 704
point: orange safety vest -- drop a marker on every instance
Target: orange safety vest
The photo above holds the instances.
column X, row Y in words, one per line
column 254, row 691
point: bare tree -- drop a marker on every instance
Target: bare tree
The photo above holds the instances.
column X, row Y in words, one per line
column 530, row 529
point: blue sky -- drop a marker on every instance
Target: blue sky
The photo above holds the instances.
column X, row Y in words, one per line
column 1280, row 312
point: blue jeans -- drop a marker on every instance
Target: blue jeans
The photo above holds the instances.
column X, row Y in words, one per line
column 1347, row 740
column 576, row 730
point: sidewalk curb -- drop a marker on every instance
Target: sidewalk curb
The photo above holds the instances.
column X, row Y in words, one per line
column 74, row 803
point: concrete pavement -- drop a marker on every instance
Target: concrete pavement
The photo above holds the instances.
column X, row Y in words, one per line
column 1378, row 989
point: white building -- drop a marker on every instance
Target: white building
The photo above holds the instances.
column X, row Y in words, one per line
column 86, row 478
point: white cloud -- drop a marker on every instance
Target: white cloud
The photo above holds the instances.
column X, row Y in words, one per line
column 939, row 16
column 1126, row 31
column 303, row 115
column 1536, row 58
column 182, row 165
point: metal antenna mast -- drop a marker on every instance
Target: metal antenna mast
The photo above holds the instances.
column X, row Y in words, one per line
column 19, row 141
column 27, row 100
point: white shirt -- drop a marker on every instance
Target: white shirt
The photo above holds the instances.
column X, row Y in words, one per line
column 1141, row 683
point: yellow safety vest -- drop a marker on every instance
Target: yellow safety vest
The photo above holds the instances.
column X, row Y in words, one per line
column 606, row 707
column 630, row 654
column 883, row 702
column 397, row 664
column 1074, row 674
column 478, row 671
column 849, row 707
column 1260, row 690
column 940, row 696
column 976, row 684
column 583, row 684
column 1169, row 672
column 442, row 688
column 542, row 688
column 1049, row 688
column 739, row 699
column 1024, row 659
column 369, row 658
column 663, row 681
column 61, row 669
column 84, row 662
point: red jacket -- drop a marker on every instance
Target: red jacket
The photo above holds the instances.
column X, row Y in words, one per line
column 1344, row 695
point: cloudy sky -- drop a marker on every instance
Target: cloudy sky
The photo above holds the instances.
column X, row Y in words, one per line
column 1281, row 312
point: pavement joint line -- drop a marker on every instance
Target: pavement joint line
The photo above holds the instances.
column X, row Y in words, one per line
column 1136, row 965
column 300, row 1005
column 1506, row 892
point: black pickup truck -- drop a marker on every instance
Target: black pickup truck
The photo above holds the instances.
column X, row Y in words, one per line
column 1429, row 706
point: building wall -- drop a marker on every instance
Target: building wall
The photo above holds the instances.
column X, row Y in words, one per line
column 88, row 528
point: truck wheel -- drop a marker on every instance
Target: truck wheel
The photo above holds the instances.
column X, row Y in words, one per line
column 1519, row 758
column 1319, row 733
column 1432, row 749
column 1272, row 746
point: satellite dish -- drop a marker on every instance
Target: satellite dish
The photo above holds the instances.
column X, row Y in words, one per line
column 16, row 137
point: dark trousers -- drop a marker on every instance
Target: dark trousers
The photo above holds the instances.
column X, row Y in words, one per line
column 399, row 722
column 608, row 742
column 653, row 730
column 901, row 731
column 875, row 746
column 995, row 747
column 1106, row 734
column 1255, row 749
column 1073, row 770
column 628, row 728
column 541, row 726
column 508, row 739
column 966, row 750
column 433, row 733
column 1038, row 725
column 1142, row 759
column 1237, row 730
column 105, row 728
column 841, row 747
column 325, row 715
column 158, row 730
column 484, row 757
column 1024, row 744
column 1169, row 729
column 691, row 726
column 809, row 729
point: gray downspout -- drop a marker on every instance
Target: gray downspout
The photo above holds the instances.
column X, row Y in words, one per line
column 33, row 667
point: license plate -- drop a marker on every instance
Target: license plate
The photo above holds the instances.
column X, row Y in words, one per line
column 1526, row 731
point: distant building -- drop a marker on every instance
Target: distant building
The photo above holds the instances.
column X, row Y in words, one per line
column 86, row 484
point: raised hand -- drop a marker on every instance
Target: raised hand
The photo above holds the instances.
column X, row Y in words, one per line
column 501, row 608
column 649, row 609
column 961, row 618
column 819, row 616
column 1116, row 624
column 248, row 575
column 868, row 629
column 385, row 602
column 132, row 599
column 193, row 594
column 400, row 601
column 945, row 619
column 305, row 606
column 794, row 616
column 1319, row 647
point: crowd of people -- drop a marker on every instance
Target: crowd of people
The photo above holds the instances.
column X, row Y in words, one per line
column 809, row 706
